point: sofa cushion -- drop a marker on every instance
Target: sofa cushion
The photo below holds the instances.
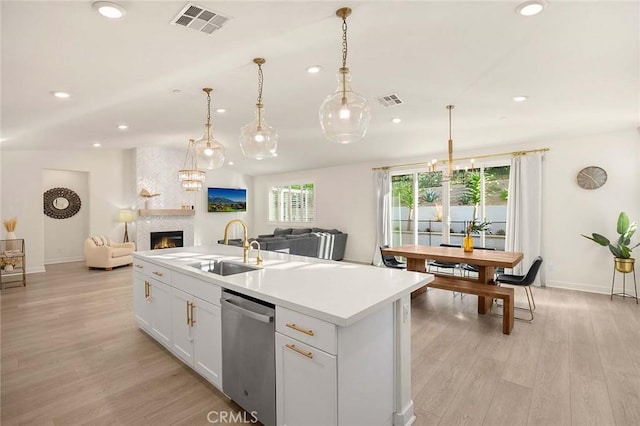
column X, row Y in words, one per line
column 327, row 231
column 281, row 232
column 300, row 231
column 121, row 251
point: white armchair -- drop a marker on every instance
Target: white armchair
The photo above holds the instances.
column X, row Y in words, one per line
column 100, row 252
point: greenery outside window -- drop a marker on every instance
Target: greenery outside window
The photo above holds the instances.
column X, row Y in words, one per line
column 419, row 208
column 292, row 203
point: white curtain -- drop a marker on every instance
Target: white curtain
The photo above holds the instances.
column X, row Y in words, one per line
column 524, row 212
column 382, row 188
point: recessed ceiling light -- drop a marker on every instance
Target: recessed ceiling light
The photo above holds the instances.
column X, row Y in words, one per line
column 61, row 95
column 530, row 8
column 109, row 9
column 230, row 163
column 97, row 145
column 396, row 120
column 314, row 69
column 519, row 98
column 221, row 110
column 123, row 126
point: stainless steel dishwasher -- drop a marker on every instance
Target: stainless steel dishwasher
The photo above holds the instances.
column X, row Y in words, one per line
column 248, row 354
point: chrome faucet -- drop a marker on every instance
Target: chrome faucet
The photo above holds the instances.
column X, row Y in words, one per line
column 258, row 258
column 245, row 239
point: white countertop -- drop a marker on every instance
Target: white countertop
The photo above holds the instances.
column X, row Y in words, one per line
column 337, row 292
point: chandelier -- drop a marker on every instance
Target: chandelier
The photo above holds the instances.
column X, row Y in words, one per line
column 258, row 140
column 344, row 115
column 190, row 175
column 210, row 152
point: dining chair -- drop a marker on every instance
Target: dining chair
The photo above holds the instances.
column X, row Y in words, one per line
column 525, row 282
column 467, row 268
column 391, row 261
column 445, row 265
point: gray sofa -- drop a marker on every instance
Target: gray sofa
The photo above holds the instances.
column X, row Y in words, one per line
column 312, row 242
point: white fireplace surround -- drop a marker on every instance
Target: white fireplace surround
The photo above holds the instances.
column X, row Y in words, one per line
column 157, row 172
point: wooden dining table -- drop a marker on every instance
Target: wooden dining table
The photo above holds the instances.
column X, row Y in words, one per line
column 485, row 260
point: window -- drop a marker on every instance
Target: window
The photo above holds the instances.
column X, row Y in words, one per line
column 419, row 208
column 292, row 203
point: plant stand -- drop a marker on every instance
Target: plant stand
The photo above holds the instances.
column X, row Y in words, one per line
column 624, row 290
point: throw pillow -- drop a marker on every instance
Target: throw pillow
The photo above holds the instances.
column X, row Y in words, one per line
column 328, row 231
column 281, row 232
column 101, row 240
column 299, row 231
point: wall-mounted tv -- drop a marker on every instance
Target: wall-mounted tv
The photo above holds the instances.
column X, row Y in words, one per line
column 226, row 200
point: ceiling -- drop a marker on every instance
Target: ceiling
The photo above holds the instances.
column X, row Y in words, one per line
column 578, row 63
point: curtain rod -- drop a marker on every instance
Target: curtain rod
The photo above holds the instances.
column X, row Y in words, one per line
column 427, row 163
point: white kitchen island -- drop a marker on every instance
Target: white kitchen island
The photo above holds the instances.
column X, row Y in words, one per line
column 343, row 331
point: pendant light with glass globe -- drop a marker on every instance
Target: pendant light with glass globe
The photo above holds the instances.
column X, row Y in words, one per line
column 210, row 152
column 258, row 140
column 344, row 115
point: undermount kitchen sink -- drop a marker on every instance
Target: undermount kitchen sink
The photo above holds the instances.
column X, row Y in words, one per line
column 221, row 267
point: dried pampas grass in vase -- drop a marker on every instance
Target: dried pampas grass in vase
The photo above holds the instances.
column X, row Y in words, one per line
column 10, row 227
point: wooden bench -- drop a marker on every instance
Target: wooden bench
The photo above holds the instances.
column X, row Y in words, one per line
column 463, row 285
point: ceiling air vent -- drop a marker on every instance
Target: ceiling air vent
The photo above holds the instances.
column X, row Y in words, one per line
column 199, row 18
column 389, row 100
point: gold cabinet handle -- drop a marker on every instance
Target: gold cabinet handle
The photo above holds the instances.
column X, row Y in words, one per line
column 147, row 292
column 300, row 351
column 188, row 313
column 157, row 273
column 192, row 320
column 139, row 266
column 301, row 330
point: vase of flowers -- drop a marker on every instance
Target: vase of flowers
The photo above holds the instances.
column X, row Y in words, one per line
column 473, row 227
column 10, row 227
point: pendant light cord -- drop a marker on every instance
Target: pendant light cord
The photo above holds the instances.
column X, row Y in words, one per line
column 260, row 84
column 344, row 42
column 208, row 92
column 450, row 107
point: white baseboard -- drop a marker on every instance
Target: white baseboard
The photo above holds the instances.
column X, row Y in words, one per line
column 579, row 287
column 64, row 260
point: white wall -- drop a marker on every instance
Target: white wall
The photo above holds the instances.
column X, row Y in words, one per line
column 157, row 171
column 344, row 200
column 64, row 238
column 210, row 226
column 111, row 187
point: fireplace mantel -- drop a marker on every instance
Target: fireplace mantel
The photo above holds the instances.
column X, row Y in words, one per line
column 166, row 212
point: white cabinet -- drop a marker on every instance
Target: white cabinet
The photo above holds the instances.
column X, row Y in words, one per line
column 196, row 331
column 207, row 341
column 181, row 328
column 160, row 296
column 328, row 375
column 151, row 307
column 306, row 384
column 141, row 303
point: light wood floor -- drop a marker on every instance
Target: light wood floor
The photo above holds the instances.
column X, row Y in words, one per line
column 72, row 354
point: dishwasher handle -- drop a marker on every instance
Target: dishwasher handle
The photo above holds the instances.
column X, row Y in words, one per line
column 226, row 303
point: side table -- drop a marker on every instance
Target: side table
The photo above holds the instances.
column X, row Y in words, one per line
column 12, row 261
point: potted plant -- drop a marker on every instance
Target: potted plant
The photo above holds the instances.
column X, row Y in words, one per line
column 620, row 249
column 473, row 227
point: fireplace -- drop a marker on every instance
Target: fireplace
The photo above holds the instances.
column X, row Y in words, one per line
column 169, row 239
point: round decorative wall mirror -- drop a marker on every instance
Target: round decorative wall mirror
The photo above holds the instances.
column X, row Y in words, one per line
column 61, row 203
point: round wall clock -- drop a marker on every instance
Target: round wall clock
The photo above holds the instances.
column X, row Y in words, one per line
column 61, row 203
column 591, row 177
